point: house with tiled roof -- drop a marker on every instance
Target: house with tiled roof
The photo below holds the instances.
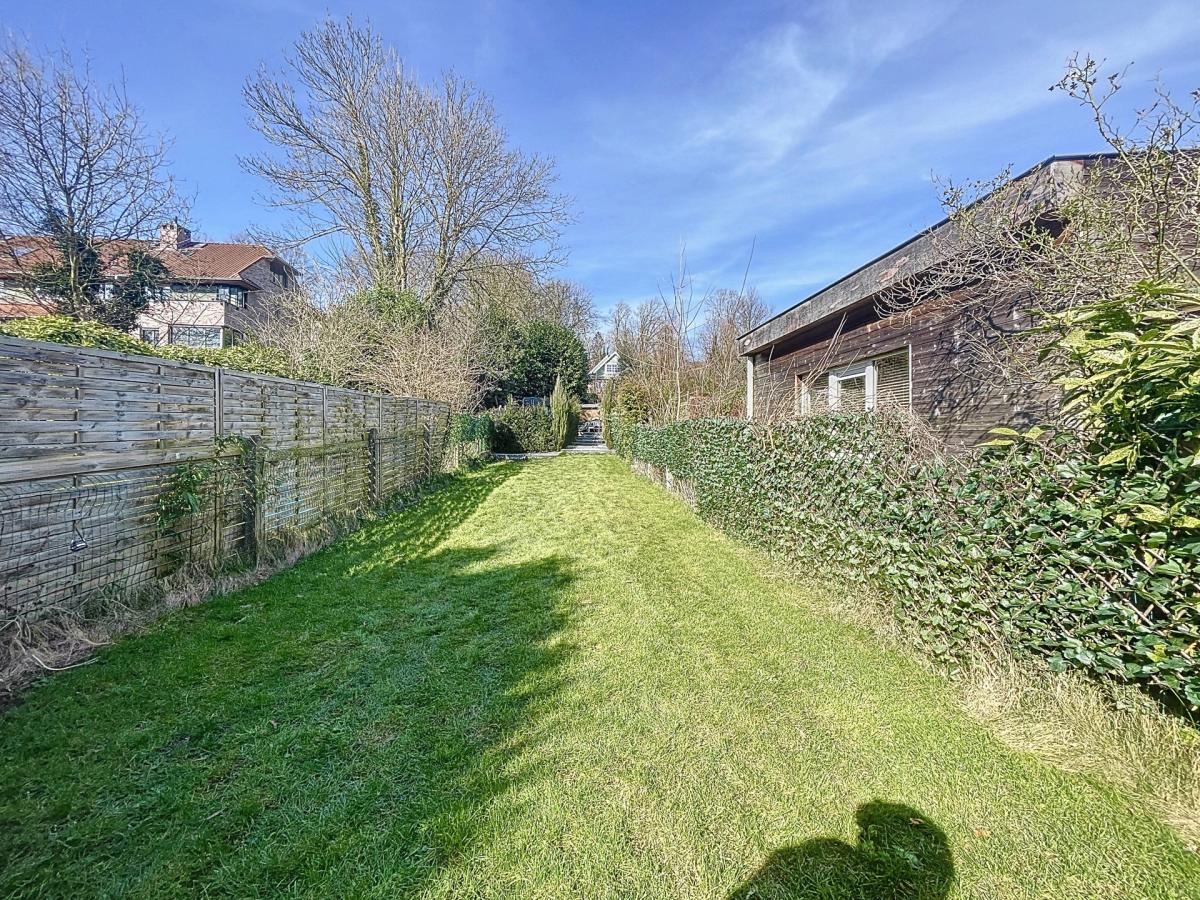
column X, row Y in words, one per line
column 215, row 289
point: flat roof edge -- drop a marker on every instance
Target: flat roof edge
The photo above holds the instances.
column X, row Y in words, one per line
column 768, row 339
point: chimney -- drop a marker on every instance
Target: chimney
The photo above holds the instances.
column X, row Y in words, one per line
column 173, row 235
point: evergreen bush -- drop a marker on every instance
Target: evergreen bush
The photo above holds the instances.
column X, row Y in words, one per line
column 564, row 415
column 80, row 333
column 522, row 429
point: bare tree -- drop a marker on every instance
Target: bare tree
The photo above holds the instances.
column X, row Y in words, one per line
column 320, row 330
column 722, row 374
column 419, row 181
column 346, row 334
column 682, row 311
column 438, row 363
column 77, row 167
column 1015, row 251
column 567, row 303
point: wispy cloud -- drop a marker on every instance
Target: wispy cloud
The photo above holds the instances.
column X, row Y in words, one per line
column 778, row 89
column 838, row 110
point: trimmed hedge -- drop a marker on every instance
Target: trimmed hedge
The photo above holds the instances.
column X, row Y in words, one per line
column 522, row 429
column 1038, row 544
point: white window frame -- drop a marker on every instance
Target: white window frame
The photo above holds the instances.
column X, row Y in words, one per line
column 804, row 394
column 864, row 370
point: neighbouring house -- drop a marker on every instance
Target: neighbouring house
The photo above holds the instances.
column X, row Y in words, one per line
column 215, row 288
column 608, row 368
column 841, row 349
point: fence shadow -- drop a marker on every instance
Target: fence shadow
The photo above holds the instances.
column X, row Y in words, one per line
column 417, row 529
column 351, row 726
column 899, row 854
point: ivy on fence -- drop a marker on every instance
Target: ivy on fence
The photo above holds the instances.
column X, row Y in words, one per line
column 470, row 437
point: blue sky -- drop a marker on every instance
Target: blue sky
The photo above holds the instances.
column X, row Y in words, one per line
column 811, row 129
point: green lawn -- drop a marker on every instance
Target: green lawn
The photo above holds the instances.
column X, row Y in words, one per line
column 546, row 680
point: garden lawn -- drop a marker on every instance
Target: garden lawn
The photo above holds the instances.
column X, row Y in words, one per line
column 547, row 679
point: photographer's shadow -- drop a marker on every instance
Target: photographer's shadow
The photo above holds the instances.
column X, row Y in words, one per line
column 899, row 854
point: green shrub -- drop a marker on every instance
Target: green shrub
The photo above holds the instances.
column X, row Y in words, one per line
column 243, row 357
column 532, row 356
column 564, row 415
column 623, row 405
column 522, row 429
column 1082, row 546
column 469, row 438
column 1033, row 544
column 65, row 330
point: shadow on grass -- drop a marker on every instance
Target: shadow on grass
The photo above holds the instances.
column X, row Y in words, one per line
column 353, row 726
column 418, row 528
column 900, row 854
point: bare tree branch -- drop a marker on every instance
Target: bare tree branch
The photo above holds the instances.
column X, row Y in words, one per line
column 76, row 163
column 418, row 181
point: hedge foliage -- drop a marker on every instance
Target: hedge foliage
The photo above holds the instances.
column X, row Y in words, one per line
column 470, row 437
column 522, row 429
column 622, row 405
column 1082, row 545
column 471, row 428
column 65, row 330
column 1031, row 544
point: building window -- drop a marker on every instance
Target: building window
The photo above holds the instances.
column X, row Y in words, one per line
column 150, row 336
column 881, row 381
column 610, row 370
column 852, row 389
column 279, row 273
column 196, row 335
column 232, row 294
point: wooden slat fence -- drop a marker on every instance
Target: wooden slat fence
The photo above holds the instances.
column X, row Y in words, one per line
column 91, row 441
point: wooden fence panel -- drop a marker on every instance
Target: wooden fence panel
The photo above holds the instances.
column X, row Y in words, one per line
column 70, row 410
column 91, row 441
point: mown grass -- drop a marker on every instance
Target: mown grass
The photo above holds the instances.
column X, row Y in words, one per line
column 547, row 680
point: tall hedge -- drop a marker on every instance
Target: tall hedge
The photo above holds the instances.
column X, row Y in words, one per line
column 522, row 429
column 1032, row 545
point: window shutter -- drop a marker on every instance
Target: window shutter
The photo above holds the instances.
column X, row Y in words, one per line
column 892, row 380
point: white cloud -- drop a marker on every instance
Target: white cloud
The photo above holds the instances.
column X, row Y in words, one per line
column 816, row 114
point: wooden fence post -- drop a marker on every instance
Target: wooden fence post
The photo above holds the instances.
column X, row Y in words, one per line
column 427, row 446
column 255, row 488
column 374, row 482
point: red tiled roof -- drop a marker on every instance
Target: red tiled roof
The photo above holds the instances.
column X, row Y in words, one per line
column 195, row 261
column 21, row 310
